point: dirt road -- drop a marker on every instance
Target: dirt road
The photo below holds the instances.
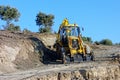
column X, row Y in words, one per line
column 48, row 69
column 103, row 59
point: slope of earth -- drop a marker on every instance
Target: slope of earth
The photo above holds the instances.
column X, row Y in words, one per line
column 21, row 53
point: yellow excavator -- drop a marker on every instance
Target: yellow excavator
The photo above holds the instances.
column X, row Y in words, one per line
column 69, row 44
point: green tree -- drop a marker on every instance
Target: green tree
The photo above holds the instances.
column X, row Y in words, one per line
column 8, row 14
column 88, row 39
column 84, row 38
column 44, row 21
column 12, row 27
column 97, row 42
column 25, row 30
column 117, row 43
column 17, row 28
column 106, row 42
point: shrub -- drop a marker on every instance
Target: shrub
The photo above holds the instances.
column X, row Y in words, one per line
column 88, row 39
column 43, row 30
column 106, row 42
column 26, row 30
column 12, row 27
column 97, row 43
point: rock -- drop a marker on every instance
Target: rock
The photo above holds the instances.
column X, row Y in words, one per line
column 95, row 73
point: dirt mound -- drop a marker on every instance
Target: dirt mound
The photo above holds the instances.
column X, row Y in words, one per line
column 21, row 51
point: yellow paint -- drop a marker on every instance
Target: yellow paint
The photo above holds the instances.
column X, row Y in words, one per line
column 73, row 51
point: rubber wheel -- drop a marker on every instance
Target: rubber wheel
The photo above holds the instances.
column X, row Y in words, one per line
column 63, row 58
column 72, row 59
column 77, row 58
column 84, row 58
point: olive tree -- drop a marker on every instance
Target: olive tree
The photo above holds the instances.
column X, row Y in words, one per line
column 44, row 22
column 8, row 14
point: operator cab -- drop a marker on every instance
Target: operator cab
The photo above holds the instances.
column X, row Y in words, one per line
column 69, row 31
column 73, row 31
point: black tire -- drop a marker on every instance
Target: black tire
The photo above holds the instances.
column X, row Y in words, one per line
column 63, row 58
column 77, row 58
column 71, row 59
column 84, row 57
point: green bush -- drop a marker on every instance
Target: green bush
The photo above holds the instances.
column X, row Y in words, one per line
column 96, row 42
column 43, row 30
column 26, row 30
column 12, row 27
column 88, row 39
column 106, row 42
column 117, row 43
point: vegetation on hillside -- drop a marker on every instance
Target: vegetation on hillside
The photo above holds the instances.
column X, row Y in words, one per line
column 25, row 30
column 104, row 42
column 44, row 22
column 9, row 14
column 87, row 39
column 12, row 27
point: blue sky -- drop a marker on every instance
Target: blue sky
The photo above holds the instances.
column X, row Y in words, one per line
column 100, row 18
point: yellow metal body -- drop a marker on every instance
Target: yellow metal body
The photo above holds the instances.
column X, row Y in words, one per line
column 81, row 49
column 69, row 49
